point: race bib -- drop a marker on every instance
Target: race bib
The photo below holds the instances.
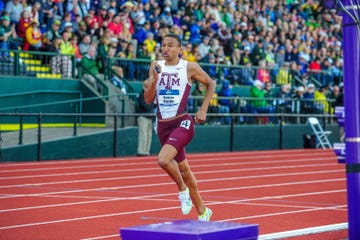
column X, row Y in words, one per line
column 169, row 97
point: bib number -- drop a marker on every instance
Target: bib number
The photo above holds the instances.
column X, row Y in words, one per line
column 185, row 124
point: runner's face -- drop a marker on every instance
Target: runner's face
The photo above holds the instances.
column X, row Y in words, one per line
column 170, row 48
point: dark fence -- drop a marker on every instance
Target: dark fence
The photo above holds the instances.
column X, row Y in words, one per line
column 36, row 136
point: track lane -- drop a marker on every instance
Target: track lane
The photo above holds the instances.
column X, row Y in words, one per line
column 265, row 189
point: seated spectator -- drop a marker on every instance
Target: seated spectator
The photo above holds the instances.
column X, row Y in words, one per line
column 212, row 69
column 68, row 27
column 214, row 108
column 195, row 103
column 85, row 44
column 166, row 17
column 258, row 53
column 204, row 47
column 246, row 75
column 263, row 74
column 82, row 30
column 225, row 104
column 141, row 32
column 7, row 36
column 91, row 67
column 191, row 53
column 284, row 75
column 52, row 33
column 150, row 43
column 74, row 43
column 118, row 78
column 33, row 37
column 245, row 56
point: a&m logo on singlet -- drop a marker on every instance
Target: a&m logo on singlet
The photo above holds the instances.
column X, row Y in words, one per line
column 169, row 93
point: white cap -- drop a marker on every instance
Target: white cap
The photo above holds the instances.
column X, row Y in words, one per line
column 257, row 83
column 68, row 24
column 300, row 89
column 311, row 85
column 114, row 39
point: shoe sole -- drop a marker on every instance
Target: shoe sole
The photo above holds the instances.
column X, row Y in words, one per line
column 187, row 212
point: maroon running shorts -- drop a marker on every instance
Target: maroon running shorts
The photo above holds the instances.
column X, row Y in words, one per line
column 177, row 133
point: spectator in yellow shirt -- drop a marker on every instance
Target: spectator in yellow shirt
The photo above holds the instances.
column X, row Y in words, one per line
column 33, row 37
column 150, row 43
column 66, row 47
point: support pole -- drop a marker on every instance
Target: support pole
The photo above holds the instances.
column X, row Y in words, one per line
column 352, row 118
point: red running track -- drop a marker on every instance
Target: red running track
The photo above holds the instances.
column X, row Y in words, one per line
column 93, row 198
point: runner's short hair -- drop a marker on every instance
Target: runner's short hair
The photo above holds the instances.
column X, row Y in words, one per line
column 173, row 35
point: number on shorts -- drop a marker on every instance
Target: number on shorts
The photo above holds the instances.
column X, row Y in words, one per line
column 185, row 124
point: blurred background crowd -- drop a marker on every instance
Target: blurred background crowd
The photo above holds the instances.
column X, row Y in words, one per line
column 274, row 41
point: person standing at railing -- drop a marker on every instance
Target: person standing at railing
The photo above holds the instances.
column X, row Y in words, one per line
column 283, row 100
column 309, row 98
column 259, row 104
column 145, row 123
column 298, row 104
column 321, row 104
column 271, row 103
column 170, row 83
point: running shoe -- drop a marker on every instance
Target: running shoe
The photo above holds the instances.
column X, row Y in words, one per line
column 205, row 217
column 186, row 203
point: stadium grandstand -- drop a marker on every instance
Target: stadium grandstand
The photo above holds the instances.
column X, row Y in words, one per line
column 92, row 56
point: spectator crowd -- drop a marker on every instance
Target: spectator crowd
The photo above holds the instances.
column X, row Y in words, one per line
column 274, row 41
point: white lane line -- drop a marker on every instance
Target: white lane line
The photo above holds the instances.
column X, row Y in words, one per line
column 170, row 183
column 304, row 231
column 204, row 191
column 154, row 210
column 164, row 175
column 103, row 237
column 193, row 161
column 282, row 153
column 276, row 214
column 157, row 168
column 87, row 218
